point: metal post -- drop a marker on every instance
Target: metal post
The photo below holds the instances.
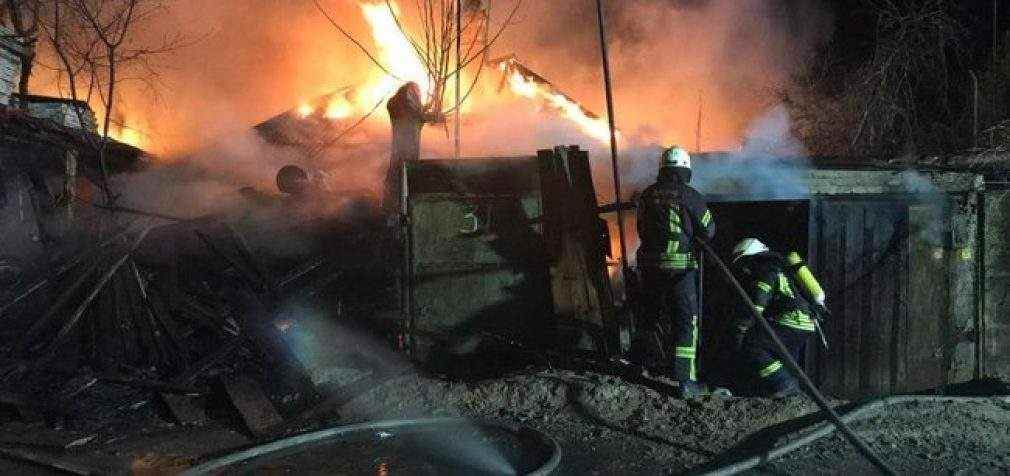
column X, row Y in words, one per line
column 407, row 286
column 613, row 137
column 459, row 72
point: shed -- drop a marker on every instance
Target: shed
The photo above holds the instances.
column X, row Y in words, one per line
column 896, row 251
column 995, row 257
column 65, row 112
column 504, row 247
column 41, row 164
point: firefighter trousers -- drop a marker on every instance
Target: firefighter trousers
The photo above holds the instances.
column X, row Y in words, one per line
column 671, row 305
column 764, row 358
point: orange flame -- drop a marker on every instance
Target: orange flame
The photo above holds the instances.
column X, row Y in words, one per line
column 396, row 54
column 527, row 86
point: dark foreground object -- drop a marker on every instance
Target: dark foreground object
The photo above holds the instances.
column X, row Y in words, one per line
column 407, row 447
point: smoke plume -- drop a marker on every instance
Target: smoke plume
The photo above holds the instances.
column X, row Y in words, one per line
column 693, row 72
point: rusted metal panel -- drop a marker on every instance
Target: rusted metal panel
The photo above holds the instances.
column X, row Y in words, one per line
column 478, row 254
column 962, row 271
column 996, row 298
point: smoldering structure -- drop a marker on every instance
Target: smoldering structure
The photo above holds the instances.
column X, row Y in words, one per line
column 318, row 282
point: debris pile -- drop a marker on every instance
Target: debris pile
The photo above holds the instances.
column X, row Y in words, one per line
column 180, row 318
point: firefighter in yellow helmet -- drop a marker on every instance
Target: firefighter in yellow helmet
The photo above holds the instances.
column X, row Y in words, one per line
column 670, row 212
column 786, row 294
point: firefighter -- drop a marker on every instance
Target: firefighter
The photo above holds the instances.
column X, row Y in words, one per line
column 670, row 212
column 786, row 295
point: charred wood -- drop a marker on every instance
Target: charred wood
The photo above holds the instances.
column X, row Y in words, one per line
column 184, row 409
column 75, row 318
column 78, row 259
column 159, row 386
column 42, row 459
column 68, row 294
column 247, row 274
column 299, row 272
column 190, row 374
column 253, row 405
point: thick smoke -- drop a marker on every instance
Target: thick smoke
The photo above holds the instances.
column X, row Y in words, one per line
column 673, row 60
column 256, row 58
column 771, row 164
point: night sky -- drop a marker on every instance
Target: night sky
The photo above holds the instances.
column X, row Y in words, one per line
column 854, row 27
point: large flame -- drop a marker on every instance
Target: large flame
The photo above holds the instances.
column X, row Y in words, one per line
column 396, row 54
column 128, row 135
column 591, row 124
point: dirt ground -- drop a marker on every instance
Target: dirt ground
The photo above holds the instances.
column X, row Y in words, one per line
column 605, row 425
column 916, row 438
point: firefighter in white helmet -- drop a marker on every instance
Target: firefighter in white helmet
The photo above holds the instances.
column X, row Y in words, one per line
column 786, row 294
column 670, row 212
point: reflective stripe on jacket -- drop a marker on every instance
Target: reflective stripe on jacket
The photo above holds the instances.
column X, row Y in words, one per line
column 774, row 294
column 666, row 228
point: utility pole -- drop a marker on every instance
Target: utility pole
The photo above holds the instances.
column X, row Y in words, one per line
column 459, row 72
column 613, row 137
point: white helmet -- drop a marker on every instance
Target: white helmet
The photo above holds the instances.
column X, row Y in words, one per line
column 748, row 247
column 675, row 157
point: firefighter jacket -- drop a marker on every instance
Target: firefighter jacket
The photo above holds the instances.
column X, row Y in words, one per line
column 775, row 295
column 668, row 214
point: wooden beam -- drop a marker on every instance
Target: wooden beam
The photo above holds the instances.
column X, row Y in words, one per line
column 252, row 403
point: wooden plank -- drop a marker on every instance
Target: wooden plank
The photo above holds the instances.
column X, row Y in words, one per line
column 927, row 300
column 900, row 324
column 252, row 403
column 569, row 214
column 190, row 374
column 814, row 351
column 883, row 252
column 833, row 225
column 867, row 284
column 853, row 308
column 185, row 409
column 132, row 353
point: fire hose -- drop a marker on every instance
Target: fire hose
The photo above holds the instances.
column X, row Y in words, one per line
column 378, row 431
column 821, row 430
column 793, row 366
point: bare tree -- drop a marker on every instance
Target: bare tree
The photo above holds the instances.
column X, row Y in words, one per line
column 435, row 43
column 904, row 91
column 95, row 44
column 451, row 40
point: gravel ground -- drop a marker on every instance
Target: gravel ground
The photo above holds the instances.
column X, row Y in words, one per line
column 916, row 438
column 606, row 425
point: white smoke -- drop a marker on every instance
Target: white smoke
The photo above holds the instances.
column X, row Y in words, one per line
column 771, row 164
